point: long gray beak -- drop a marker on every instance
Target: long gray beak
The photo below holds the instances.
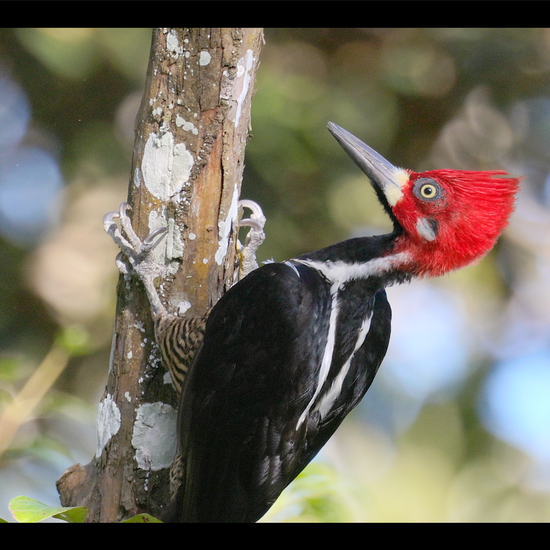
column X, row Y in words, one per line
column 380, row 171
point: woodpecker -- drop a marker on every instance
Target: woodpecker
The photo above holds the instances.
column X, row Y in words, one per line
column 293, row 347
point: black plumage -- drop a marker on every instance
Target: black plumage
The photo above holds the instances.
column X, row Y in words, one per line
column 242, row 441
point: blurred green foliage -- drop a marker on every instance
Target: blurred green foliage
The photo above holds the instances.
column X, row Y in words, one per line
column 424, row 98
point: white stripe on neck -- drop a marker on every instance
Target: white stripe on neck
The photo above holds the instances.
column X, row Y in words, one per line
column 339, row 272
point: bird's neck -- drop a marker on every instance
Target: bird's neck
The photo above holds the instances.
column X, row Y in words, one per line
column 361, row 258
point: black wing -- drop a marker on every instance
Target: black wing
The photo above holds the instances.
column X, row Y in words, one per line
column 252, row 379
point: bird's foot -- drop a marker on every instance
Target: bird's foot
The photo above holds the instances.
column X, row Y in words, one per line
column 136, row 255
column 254, row 238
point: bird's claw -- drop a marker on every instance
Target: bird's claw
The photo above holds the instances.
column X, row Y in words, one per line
column 254, row 238
column 257, row 218
column 136, row 256
column 151, row 240
column 124, row 236
column 122, row 265
column 133, row 249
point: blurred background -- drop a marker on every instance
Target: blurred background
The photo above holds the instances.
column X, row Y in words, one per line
column 456, row 426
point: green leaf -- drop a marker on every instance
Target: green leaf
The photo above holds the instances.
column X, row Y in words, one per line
column 28, row 510
column 142, row 518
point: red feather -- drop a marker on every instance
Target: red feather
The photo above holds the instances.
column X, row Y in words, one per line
column 473, row 210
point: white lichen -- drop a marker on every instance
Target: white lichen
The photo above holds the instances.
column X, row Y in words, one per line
column 166, row 165
column 182, row 307
column 170, row 248
column 108, row 422
column 187, row 126
column 244, row 66
column 153, row 437
column 173, row 45
column 225, row 227
column 204, row 58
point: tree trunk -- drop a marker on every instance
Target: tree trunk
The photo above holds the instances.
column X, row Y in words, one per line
column 187, row 168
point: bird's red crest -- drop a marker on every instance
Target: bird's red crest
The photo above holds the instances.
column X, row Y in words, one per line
column 452, row 218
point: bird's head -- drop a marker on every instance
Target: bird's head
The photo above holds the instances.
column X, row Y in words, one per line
column 443, row 219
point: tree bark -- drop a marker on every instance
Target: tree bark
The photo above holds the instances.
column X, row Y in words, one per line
column 187, row 169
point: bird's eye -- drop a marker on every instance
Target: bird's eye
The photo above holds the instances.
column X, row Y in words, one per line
column 427, row 189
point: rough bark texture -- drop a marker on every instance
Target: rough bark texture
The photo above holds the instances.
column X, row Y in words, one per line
column 187, row 169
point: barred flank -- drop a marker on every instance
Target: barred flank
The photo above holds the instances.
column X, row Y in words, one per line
column 179, row 339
